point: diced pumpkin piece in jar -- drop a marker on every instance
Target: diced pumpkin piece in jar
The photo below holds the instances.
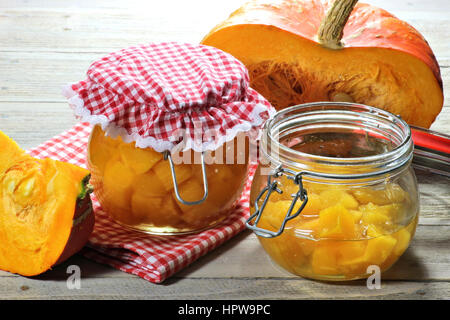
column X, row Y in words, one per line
column 200, row 216
column 386, row 217
column 190, row 190
column 375, row 215
column 303, row 229
column 367, row 195
column 100, row 156
column 337, row 222
column 390, row 194
column 348, row 201
column 291, row 250
column 146, row 209
column 395, row 193
column 118, row 184
column 338, row 196
column 164, row 174
column 285, row 250
column 378, row 249
column 357, row 215
column 306, row 246
column 275, row 251
column 317, row 188
column 148, row 184
column 101, row 150
column 373, row 232
column 138, row 159
column 403, row 238
column 287, row 187
column 324, row 260
column 307, row 227
column 221, row 183
column 350, row 257
column 348, row 251
column 107, row 139
column 313, row 206
column 170, row 206
column 398, row 213
column 275, row 196
column 275, row 212
column 149, row 210
column 391, row 209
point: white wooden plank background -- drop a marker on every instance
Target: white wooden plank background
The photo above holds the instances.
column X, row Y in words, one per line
column 45, row 44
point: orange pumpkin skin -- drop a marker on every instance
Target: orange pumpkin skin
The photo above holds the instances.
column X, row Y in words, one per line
column 45, row 210
column 407, row 81
column 83, row 225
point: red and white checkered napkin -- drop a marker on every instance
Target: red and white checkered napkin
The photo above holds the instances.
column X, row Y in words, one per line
column 161, row 95
column 153, row 258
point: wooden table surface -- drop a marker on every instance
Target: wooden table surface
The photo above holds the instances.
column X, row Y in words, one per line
column 45, row 44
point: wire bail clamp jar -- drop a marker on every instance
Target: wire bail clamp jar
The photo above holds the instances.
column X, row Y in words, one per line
column 333, row 176
column 272, row 187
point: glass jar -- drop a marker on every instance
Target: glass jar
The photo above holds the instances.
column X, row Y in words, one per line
column 162, row 193
column 334, row 192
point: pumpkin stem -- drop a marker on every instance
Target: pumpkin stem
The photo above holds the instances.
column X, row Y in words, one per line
column 332, row 27
column 86, row 188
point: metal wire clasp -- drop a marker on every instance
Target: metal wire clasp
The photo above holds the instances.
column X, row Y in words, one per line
column 168, row 156
column 271, row 187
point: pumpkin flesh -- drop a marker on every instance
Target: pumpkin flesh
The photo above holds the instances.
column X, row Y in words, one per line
column 38, row 202
column 383, row 62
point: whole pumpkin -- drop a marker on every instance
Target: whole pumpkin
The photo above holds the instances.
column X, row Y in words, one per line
column 312, row 50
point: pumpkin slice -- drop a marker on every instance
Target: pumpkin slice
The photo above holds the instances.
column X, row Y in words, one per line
column 390, row 194
column 306, row 51
column 337, row 222
column 46, row 212
column 140, row 160
column 105, row 148
column 118, row 184
column 324, row 260
column 162, row 170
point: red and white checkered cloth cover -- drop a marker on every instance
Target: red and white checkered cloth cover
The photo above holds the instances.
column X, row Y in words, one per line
column 153, row 258
column 162, row 94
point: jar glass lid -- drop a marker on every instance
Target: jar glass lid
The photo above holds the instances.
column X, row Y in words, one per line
column 337, row 140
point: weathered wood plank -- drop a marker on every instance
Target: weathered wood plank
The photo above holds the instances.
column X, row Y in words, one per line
column 30, row 124
column 405, row 5
column 81, row 29
column 39, row 77
column 427, row 259
column 85, row 27
column 78, row 27
column 220, row 289
column 434, row 195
